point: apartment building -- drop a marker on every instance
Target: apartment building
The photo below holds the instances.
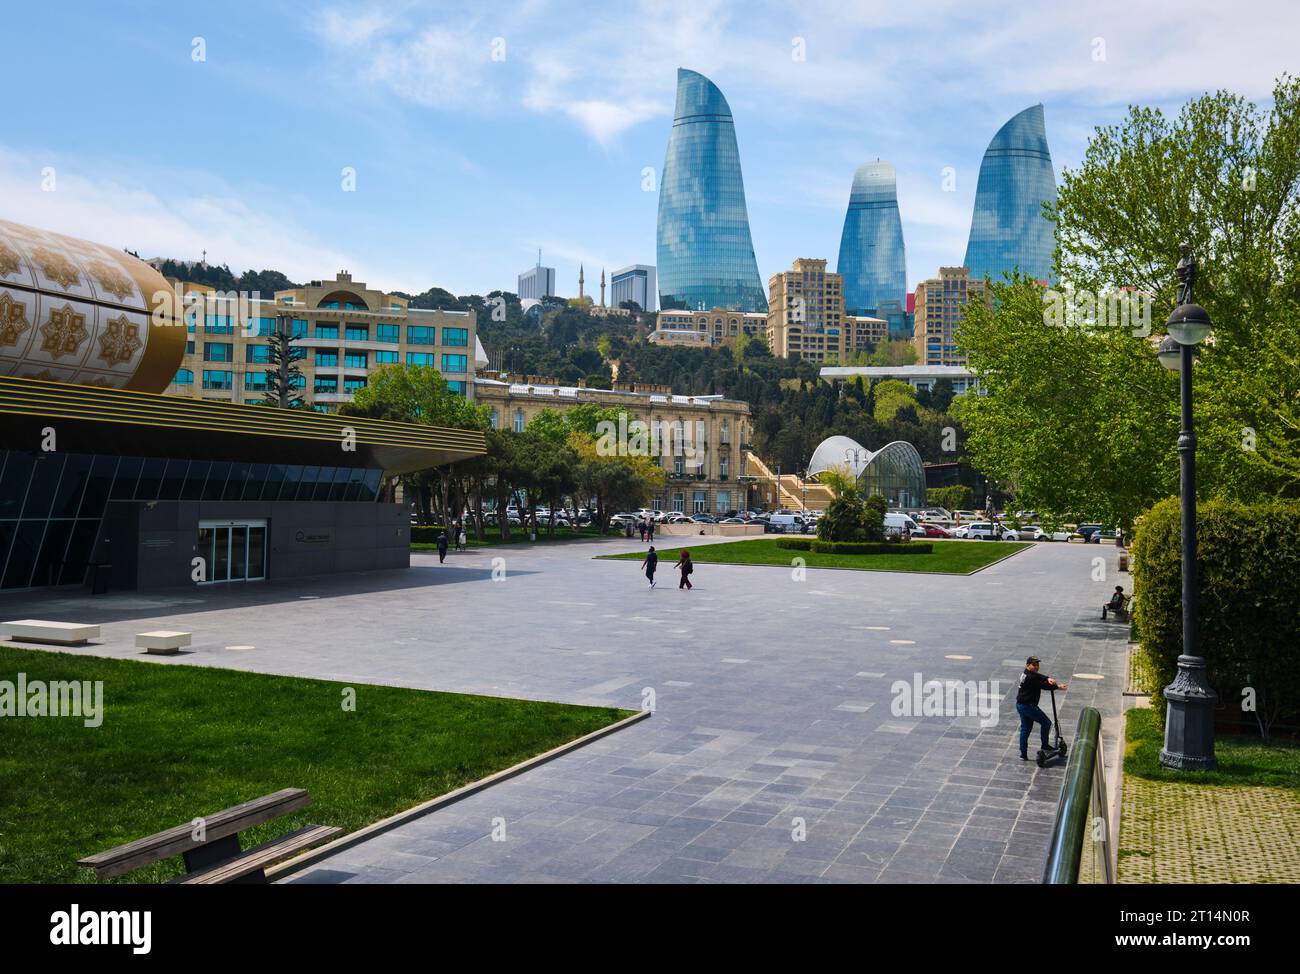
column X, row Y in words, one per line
column 940, row 306
column 346, row 329
column 806, row 316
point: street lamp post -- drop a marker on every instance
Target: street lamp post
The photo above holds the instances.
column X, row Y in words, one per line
column 1189, row 719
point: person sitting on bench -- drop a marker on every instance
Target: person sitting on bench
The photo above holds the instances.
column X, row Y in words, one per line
column 1116, row 603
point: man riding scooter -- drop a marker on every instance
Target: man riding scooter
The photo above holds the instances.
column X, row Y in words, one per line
column 1032, row 684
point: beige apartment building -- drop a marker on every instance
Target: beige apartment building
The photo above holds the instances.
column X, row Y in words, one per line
column 940, row 306
column 346, row 329
column 707, row 475
column 718, row 326
column 806, row 316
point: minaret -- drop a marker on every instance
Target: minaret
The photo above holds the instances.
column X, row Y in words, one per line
column 580, row 281
column 602, row 287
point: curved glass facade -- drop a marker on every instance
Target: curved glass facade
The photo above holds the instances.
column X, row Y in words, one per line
column 705, row 255
column 1008, row 229
column 895, row 471
column 871, row 248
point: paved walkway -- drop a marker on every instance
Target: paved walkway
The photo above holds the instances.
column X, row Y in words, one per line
column 773, row 754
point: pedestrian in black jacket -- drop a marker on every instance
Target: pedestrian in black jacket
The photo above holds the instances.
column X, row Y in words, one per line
column 650, row 564
column 1032, row 684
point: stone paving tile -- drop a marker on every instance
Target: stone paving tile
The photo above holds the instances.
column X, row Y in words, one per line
column 735, row 751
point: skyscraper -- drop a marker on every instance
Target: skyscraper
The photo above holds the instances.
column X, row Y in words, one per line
column 705, row 253
column 634, row 283
column 871, row 247
column 1008, row 229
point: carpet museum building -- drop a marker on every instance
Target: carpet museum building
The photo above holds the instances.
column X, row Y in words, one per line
column 104, row 479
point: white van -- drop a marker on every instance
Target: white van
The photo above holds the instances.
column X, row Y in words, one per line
column 898, row 524
column 787, row 523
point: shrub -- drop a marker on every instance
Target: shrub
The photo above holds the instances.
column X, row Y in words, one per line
column 1248, row 559
column 871, row 548
column 956, row 498
column 426, row 533
column 795, row 544
column 843, row 519
column 873, row 518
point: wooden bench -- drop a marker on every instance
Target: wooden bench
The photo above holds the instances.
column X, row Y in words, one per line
column 163, row 641
column 217, row 856
column 1121, row 612
column 55, row 633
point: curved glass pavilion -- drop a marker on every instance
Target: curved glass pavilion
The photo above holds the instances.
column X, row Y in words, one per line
column 895, row 471
column 871, row 246
column 1007, row 228
column 704, row 253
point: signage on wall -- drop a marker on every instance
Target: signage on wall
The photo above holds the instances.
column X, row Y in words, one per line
column 312, row 537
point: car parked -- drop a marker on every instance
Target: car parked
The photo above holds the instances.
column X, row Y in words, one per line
column 931, row 530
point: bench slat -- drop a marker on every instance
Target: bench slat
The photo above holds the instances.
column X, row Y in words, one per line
column 260, row 857
column 174, row 841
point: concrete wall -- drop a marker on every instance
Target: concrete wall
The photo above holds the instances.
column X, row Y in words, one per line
column 715, row 530
column 152, row 547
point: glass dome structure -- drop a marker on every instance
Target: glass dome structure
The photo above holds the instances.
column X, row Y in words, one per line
column 895, row 471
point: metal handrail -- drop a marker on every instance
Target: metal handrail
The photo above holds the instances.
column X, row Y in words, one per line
column 1084, row 787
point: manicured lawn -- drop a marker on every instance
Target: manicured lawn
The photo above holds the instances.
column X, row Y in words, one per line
column 948, row 557
column 1242, row 760
column 182, row 741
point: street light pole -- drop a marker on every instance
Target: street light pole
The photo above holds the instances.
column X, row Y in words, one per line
column 1189, row 720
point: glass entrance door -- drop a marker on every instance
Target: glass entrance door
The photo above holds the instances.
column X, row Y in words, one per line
column 233, row 551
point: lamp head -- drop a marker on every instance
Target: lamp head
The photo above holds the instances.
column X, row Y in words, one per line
column 1190, row 324
column 1170, row 353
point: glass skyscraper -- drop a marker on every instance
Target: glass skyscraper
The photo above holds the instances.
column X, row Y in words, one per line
column 1008, row 229
column 871, row 248
column 705, row 253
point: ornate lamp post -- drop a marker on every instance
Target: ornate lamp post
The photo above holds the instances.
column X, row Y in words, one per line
column 1189, row 718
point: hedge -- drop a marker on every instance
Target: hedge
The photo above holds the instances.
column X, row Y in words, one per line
column 1248, row 558
column 871, row 548
column 426, row 533
column 795, row 544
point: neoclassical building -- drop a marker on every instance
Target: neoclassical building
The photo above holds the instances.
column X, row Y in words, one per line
column 709, row 475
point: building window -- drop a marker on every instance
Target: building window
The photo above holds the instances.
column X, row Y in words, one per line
column 385, row 358
column 189, row 348
column 420, row 358
column 353, row 383
column 254, row 381
column 218, row 380
column 218, row 325
column 327, row 360
column 387, row 333
column 679, row 502
column 456, row 386
column 700, row 502
column 327, row 331
column 455, row 336
column 218, row 352
column 724, row 502
column 327, row 383
column 724, row 467
column 354, row 360
column 455, row 363
column 357, row 333
column 258, row 354
column 184, row 377
column 421, row 335
column 519, row 420
column 493, row 419
column 264, row 327
column 679, row 465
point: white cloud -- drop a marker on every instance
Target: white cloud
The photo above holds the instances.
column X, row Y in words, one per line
column 116, row 209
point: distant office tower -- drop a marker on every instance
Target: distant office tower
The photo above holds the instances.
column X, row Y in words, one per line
column 871, row 247
column 940, row 307
column 705, row 253
column 1008, row 229
column 899, row 319
column 635, row 283
column 537, row 282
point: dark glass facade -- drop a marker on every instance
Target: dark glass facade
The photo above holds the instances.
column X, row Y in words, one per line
column 1008, row 230
column 705, row 255
column 872, row 260
column 52, row 504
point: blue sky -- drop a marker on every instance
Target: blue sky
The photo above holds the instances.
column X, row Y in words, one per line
column 479, row 132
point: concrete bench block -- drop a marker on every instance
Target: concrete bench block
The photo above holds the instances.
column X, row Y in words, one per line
column 55, row 633
column 162, row 641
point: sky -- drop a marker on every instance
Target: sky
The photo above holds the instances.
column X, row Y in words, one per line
column 420, row 144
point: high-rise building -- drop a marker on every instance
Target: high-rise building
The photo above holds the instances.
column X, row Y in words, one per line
column 871, row 248
column 537, row 283
column 704, row 251
column 635, row 283
column 901, row 321
column 940, row 306
column 1008, row 230
column 806, row 318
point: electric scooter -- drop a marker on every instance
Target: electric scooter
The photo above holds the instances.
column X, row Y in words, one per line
column 1050, row 755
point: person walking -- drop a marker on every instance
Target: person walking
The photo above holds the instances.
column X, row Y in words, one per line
column 442, row 547
column 462, row 542
column 650, row 530
column 684, row 563
column 640, row 527
column 650, row 564
column 1032, row 684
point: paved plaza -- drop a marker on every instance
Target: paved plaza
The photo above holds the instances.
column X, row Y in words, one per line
column 773, row 754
